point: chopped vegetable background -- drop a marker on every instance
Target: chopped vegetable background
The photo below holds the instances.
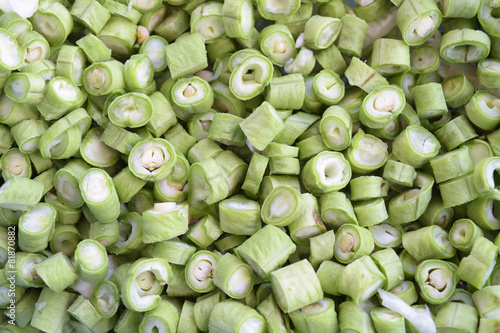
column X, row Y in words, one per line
column 249, row 166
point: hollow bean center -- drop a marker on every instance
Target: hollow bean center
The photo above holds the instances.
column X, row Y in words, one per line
column 33, row 271
column 96, row 185
column 437, row 279
column 205, row 75
column 67, row 244
column 317, row 218
column 315, row 307
column 152, row 158
column 203, row 270
column 398, row 289
column 142, row 34
column 346, row 243
column 495, row 13
column 279, row 47
column 33, row 54
column 384, row 103
column 493, row 66
column 442, row 220
column 104, row 303
column 425, row 26
column 189, row 91
column 125, row 231
column 331, row 170
column 391, row 126
column 250, row 76
column 97, row 78
column 205, row 124
column 68, row 188
column 460, row 235
column 16, row 166
column 493, row 103
column 387, row 316
column 146, row 280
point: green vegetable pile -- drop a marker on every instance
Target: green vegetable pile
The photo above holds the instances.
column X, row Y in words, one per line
column 249, row 166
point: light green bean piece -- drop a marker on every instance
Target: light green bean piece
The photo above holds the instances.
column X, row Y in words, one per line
column 363, row 76
column 476, row 268
column 465, row 317
column 165, row 221
column 52, row 316
column 36, row 227
column 233, row 276
column 94, row 48
column 366, row 153
column 436, row 279
column 282, row 206
column 130, row 110
column 367, row 276
column 144, row 283
column 482, row 110
column 385, row 320
column 130, row 234
column 83, row 311
column 20, row 193
column 15, row 163
column 250, row 77
column 415, row 146
column 199, row 271
column 299, row 273
column 382, row 106
column 102, row 78
column 352, row 36
column 238, row 18
column 452, row 165
column 455, row 46
column 406, row 291
column 26, row 275
column 328, row 87
column 99, row 194
column 206, row 19
column 154, row 48
column 192, row 95
column 231, row 316
column 253, row 126
column 209, row 175
column 15, row 24
column 65, row 272
column 320, row 32
column 95, row 152
column 308, row 224
column 152, row 159
column 120, row 33
column 418, row 20
column 352, row 243
column 71, row 61
column 428, row 242
column 352, row 318
column 390, row 56
column 91, row 261
column 291, row 85
column 278, row 247
column 164, row 316
column 204, row 232
column 316, row 317
column 326, row 172
column 186, row 55
column 273, row 11
column 239, row 215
